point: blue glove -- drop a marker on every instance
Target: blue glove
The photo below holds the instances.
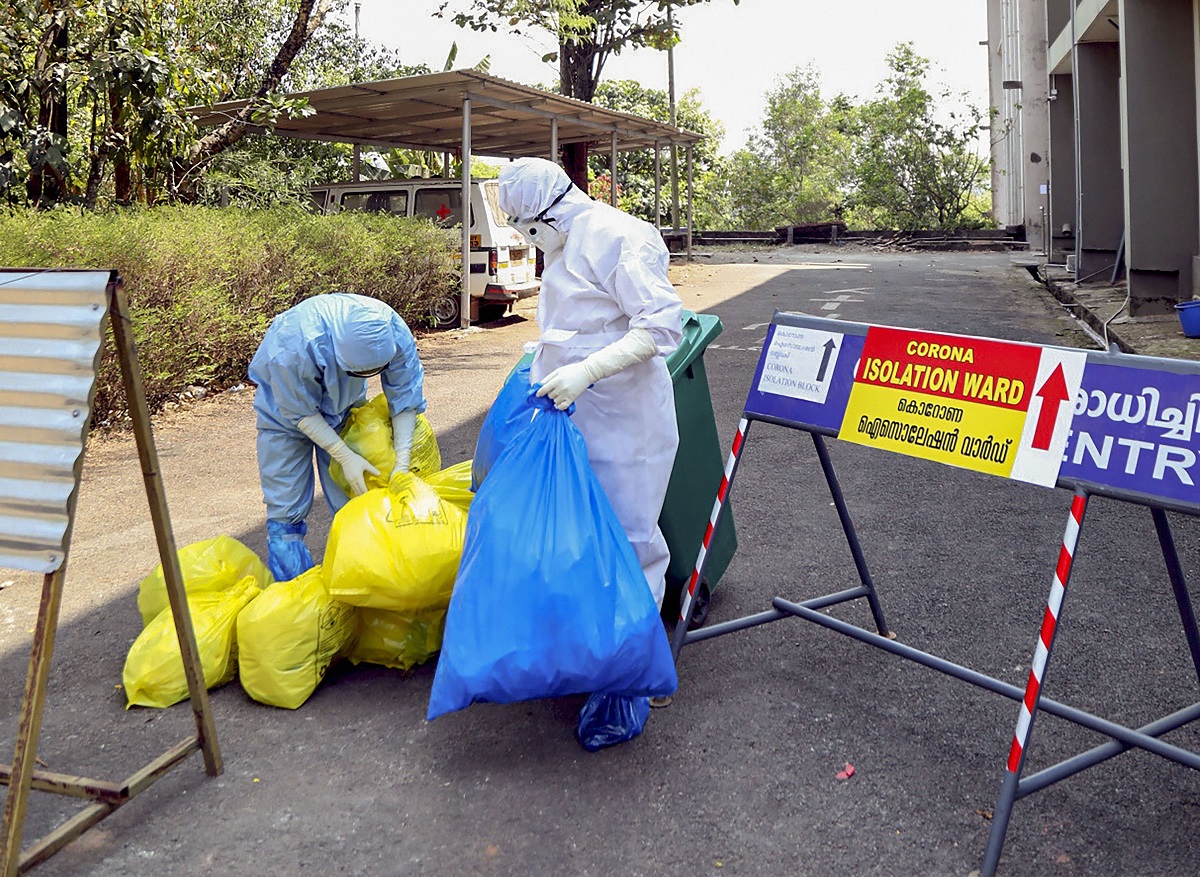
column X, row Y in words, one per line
column 287, row 555
column 609, row 719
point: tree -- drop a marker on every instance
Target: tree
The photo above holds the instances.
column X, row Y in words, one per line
column 258, row 171
column 587, row 33
column 796, row 167
column 94, row 92
column 912, row 169
column 635, row 169
column 264, row 104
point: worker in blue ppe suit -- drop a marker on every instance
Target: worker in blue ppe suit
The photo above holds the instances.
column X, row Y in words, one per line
column 608, row 317
column 311, row 369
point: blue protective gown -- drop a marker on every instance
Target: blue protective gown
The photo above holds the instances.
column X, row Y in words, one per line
column 302, row 368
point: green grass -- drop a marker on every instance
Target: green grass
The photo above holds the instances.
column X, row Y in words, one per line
column 204, row 283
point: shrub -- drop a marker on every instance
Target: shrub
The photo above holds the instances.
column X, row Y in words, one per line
column 204, row 283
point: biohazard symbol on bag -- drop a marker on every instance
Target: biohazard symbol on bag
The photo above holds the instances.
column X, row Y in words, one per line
column 289, row 636
column 395, row 548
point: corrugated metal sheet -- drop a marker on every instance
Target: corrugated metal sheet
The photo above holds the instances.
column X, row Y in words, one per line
column 50, row 324
column 425, row 112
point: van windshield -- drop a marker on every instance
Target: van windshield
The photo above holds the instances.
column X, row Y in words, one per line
column 491, row 191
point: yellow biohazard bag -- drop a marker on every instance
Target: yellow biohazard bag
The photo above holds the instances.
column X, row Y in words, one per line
column 288, row 637
column 395, row 548
column 154, row 674
column 397, row 639
column 368, row 432
column 453, row 484
column 211, row 565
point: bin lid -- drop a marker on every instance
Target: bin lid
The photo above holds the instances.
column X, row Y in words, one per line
column 698, row 332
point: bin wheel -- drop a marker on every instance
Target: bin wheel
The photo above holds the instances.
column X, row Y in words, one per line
column 701, row 601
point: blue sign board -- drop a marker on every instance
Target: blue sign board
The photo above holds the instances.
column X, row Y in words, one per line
column 1133, row 431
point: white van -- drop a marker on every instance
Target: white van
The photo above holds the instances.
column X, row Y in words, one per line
column 503, row 262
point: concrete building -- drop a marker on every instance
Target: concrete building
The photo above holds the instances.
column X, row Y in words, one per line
column 1094, row 138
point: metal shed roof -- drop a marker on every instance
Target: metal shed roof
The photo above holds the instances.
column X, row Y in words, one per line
column 425, row 112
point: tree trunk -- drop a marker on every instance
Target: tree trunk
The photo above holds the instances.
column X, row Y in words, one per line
column 309, row 17
column 52, row 112
column 575, row 61
column 575, row 163
column 121, row 177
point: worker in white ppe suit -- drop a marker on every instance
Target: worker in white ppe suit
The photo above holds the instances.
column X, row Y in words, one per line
column 608, row 316
column 310, row 370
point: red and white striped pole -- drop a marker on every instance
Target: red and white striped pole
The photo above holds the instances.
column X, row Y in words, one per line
column 1033, row 686
column 1037, row 670
column 685, row 607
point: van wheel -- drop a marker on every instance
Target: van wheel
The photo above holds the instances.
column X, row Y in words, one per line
column 491, row 312
column 445, row 312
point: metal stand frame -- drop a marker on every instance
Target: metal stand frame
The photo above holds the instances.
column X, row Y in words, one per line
column 106, row 796
column 1013, row 786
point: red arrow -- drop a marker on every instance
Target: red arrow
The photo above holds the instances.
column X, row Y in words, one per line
column 1053, row 393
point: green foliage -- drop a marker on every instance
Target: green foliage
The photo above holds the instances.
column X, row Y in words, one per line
column 261, row 171
column 635, row 169
column 913, row 170
column 891, row 162
column 94, row 93
column 797, row 168
column 203, row 284
column 587, row 32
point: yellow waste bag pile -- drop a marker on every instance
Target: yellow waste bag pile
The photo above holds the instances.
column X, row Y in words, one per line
column 211, row 565
column 368, row 432
column 288, row 637
column 379, row 597
column 154, row 674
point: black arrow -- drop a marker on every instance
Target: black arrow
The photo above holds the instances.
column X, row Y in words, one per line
column 829, row 348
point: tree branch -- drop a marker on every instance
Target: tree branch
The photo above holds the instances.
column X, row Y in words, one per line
column 309, row 17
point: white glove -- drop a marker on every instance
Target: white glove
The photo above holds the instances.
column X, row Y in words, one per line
column 566, row 384
column 403, row 425
column 354, row 466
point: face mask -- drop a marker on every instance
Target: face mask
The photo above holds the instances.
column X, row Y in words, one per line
column 541, row 233
column 541, row 230
column 368, row 374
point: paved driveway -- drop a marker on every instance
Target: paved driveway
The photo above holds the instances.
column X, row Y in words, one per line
column 739, row 775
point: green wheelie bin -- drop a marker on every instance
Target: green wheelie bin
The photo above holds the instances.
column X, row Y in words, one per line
column 695, row 477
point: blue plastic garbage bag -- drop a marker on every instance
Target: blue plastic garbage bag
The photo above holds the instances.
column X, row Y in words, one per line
column 550, row 599
column 507, row 416
column 609, row 719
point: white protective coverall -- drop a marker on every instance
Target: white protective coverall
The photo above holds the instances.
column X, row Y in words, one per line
column 606, row 274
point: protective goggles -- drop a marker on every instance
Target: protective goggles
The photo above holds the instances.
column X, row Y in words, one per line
column 528, row 227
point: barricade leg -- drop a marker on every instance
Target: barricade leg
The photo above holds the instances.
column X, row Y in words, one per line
column 30, row 723
column 1183, row 599
column 860, row 560
column 714, row 521
column 1033, row 687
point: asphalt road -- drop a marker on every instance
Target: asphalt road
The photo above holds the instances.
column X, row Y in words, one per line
column 740, row 774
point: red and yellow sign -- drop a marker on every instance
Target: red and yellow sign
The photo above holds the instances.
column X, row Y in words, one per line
column 957, row 400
